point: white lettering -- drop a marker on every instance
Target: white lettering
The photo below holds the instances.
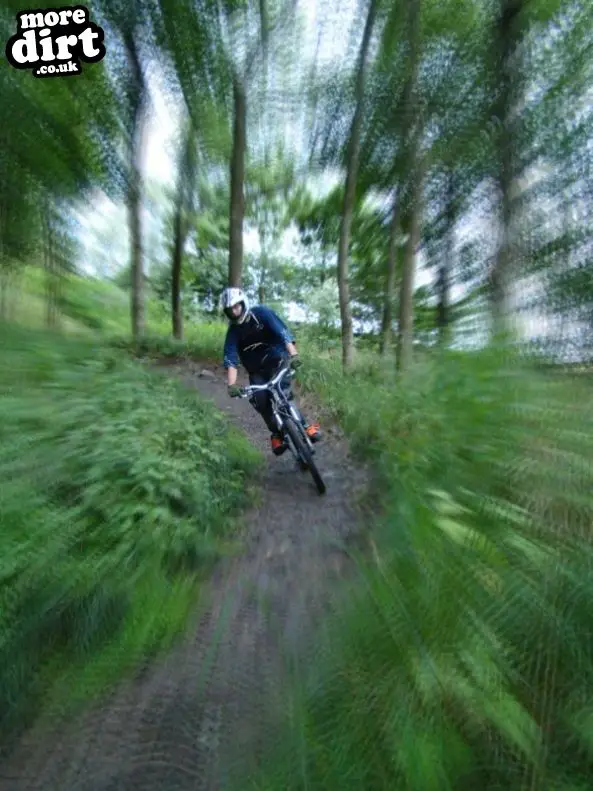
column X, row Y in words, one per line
column 64, row 43
column 51, row 19
column 47, row 47
column 87, row 37
column 27, row 42
column 31, row 20
column 79, row 16
column 64, row 16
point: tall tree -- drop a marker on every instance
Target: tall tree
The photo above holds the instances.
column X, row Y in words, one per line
column 507, row 39
column 241, row 76
column 390, row 277
column 445, row 266
column 416, row 166
column 352, row 161
column 237, row 176
column 181, row 219
column 407, row 108
column 405, row 336
column 137, row 99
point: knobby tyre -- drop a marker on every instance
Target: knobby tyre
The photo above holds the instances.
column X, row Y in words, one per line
column 304, row 451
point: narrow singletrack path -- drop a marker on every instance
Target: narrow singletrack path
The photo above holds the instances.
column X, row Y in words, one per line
column 204, row 715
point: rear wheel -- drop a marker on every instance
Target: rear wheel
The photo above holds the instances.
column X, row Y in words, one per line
column 304, row 453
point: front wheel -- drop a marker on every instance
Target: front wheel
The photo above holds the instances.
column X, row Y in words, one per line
column 304, row 454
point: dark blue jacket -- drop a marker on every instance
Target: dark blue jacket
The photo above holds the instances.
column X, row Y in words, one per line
column 258, row 343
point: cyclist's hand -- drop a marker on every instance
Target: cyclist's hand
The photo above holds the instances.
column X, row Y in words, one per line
column 295, row 362
column 234, row 391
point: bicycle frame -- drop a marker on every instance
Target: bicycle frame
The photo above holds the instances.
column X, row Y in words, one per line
column 281, row 406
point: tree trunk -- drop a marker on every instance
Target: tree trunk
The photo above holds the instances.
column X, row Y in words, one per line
column 4, row 278
column 405, row 338
column 443, row 306
column 178, row 243
column 352, row 158
column 413, row 19
column 263, row 273
column 446, row 264
column 135, row 187
column 184, row 200
column 237, row 200
column 3, row 292
column 389, row 295
column 501, row 273
column 323, row 271
column 137, row 269
column 50, row 273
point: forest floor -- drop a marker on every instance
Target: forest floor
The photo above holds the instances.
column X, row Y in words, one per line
column 204, row 717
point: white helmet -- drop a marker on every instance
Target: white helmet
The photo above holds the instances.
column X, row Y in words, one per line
column 230, row 298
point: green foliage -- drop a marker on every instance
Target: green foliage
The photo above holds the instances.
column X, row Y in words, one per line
column 96, row 304
column 118, row 490
column 203, row 342
column 462, row 658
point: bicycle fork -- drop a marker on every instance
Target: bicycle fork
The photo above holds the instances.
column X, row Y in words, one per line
column 297, row 419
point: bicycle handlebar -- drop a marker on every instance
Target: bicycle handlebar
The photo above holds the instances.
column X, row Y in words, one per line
column 246, row 392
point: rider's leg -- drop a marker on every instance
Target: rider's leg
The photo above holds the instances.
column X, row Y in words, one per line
column 263, row 404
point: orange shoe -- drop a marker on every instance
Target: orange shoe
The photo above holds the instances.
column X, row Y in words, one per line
column 278, row 445
column 313, row 432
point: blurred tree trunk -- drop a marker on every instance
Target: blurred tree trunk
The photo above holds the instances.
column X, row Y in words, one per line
column 405, row 338
column 261, row 290
column 237, row 197
column 237, row 201
column 183, row 205
column 4, row 285
column 352, row 159
column 387, row 321
column 135, row 187
column 4, row 270
column 323, row 270
column 178, row 243
column 51, row 271
column 508, row 36
column 415, row 165
column 409, row 119
column 446, row 263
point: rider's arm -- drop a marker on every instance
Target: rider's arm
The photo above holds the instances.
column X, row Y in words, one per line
column 231, row 356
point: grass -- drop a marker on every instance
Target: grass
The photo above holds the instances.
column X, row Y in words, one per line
column 203, row 341
column 463, row 659
column 119, row 489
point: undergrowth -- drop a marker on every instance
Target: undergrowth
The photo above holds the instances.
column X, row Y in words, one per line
column 118, row 490
column 202, row 342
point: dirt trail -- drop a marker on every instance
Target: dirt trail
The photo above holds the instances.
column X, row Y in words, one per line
column 202, row 716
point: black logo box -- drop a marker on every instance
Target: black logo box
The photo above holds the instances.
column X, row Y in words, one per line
column 55, row 38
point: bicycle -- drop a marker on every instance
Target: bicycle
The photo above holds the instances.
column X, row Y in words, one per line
column 289, row 424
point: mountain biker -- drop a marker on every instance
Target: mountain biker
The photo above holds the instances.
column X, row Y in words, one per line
column 259, row 340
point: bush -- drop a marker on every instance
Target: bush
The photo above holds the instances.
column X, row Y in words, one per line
column 463, row 659
column 118, row 489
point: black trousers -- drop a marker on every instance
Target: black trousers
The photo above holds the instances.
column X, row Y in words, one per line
column 263, row 402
